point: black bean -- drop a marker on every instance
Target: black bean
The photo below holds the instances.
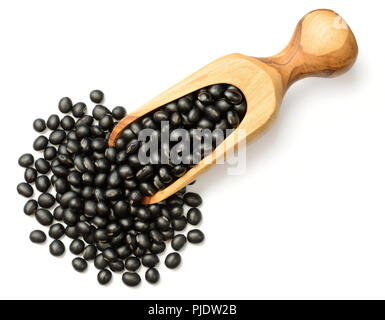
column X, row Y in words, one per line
column 39, row 125
column 30, row 175
column 133, row 160
column 65, row 160
column 104, row 276
column 83, row 131
column 37, row 236
column 71, row 232
column 77, row 246
column 67, row 197
column 143, row 241
column 75, row 178
column 110, row 254
column 40, row 143
column 232, row 118
column 132, row 146
column 73, row 147
column 194, row 216
column 70, row 136
column 199, row 105
column 131, row 279
column 90, row 208
column 212, row 113
column 179, row 224
column 96, row 96
column 84, row 121
column 121, row 157
column 173, row 260
column 162, row 223
column 192, row 199
column 156, row 236
column 25, row 189
column 216, row 90
column 44, row 217
column 160, row 116
column 46, row 200
column 87, row 192
column 83, row 228
column 132, row 264
column 195, row 236
column 123, row 251
column 120, row 144
column 114, row 179
column 152, row 275
column 102, row 209
column 50, row 153
column 76, row 205
column 99, row 144
column 171, row 107
column 176, row 211
column 65, row 105
column 118, row 112
column 158, row 183
column 178, row 242
column 58, row 213
column 233, row 95
column 79, row 264
column 168, row 234
column 126, row 223
column 42, row 183
column 150, row 260
column 175, row 119
column 61, row 185
column 42, row 166
column 90, row 238
column 194, row 115
column 79, row 109
column 99, row 112
column 107, row 122
column 223, row 105
column 30, row 207
column 53, row 122
column 157, row 248
column 147, row 188
column 99, row 262
column 56, row 231
column 70, row 217
column 184, row 104
column 205, row 124
column 67, row 123
column 116, row 266
column 87, row 164
column 145, row 173
column 26, row 160
column 205, row 97
column 148, row 123
column 178, row 171
column 141, row 226
column 90, row 252
column 56, row 248
column 240, row 108
column 165, row 175
column 57, row 137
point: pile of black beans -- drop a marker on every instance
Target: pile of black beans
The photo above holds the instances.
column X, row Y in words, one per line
column 99, row 189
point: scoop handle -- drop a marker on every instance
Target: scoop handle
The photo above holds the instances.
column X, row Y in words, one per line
column 323, row 45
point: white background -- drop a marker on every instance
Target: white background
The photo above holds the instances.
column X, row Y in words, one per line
column 307, row 220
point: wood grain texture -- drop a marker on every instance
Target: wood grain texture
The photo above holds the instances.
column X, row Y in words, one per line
column 322, row 45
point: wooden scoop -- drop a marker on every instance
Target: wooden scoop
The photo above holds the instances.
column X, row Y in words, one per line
column 322, row 45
